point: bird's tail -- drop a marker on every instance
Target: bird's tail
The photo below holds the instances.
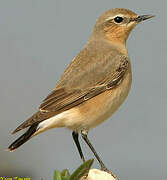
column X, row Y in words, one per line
column 24, row 138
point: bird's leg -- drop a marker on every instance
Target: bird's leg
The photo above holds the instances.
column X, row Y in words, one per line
column 75, row 137
column 85, row 137
column 103, row 167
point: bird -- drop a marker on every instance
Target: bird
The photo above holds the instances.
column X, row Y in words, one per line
column 93, row 85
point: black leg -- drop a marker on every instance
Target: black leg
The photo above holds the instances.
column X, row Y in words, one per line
column 75, row 137
column 85, row 137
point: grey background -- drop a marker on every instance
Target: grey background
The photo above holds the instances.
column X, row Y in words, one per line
column 38, row 38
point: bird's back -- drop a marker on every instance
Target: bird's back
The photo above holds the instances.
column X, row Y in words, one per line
column 96, row 61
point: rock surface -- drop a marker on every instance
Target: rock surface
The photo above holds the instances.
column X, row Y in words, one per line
column 96, row 174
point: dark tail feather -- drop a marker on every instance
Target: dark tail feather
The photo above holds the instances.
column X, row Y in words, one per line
column 24, row 138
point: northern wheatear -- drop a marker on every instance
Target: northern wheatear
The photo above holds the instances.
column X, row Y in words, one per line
column 94, row 84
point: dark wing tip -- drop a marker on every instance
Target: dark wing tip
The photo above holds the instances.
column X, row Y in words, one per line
column 16, row 130
column 19, row 128
column 27, row 123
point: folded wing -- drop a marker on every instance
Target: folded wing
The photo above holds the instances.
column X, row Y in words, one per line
column 64, row 98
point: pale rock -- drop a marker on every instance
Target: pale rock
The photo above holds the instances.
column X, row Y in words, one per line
column 96, row 174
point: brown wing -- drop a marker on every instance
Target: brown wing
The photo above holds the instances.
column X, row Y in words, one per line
column 63, row 99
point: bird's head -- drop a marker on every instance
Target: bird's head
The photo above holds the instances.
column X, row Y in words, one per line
column 116, row 24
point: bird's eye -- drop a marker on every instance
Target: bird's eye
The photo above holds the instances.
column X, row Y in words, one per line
column 118, row 19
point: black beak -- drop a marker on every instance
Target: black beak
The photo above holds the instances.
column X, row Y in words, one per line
column 143, row 18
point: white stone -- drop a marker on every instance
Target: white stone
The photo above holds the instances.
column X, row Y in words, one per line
column 96, row 174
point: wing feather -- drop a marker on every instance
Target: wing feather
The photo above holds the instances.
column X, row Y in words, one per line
column 55, row 102
column 62, row 99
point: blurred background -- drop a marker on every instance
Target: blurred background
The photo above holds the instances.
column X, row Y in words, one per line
column 38, row 38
